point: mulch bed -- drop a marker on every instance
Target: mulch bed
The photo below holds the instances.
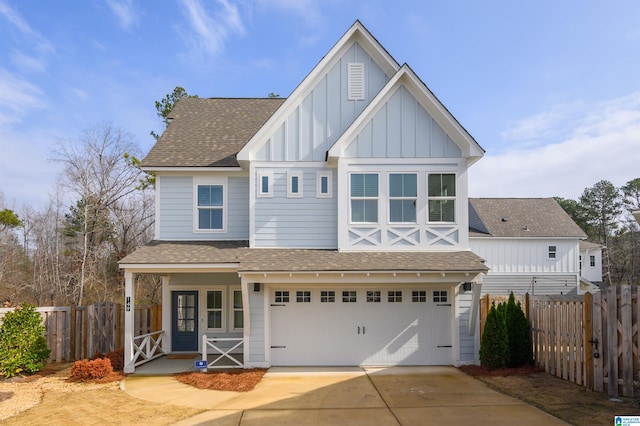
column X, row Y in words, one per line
column 227, row 380
column 477, row 370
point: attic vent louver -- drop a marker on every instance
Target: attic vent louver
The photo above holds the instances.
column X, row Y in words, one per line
column 355, row 79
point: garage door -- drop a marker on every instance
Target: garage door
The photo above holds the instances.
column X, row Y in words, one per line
column 360, row 326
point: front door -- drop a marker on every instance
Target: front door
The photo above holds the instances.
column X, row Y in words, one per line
column 184, row 332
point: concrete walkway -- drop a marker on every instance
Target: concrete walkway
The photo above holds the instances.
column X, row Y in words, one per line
column 347, row 396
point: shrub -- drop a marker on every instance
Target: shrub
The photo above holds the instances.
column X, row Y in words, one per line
column 22, row 345
column 117, row 359
column 91, row 369
column 519, row 331
column 494, row 348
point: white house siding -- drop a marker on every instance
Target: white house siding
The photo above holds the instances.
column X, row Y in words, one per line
column 591, row 273
column 175, row 212
column 516, row 256
column 306, row 222
column 324, row 114
column 257, row 337
column 403, row 236
column 467, row 343
column 402, row 129
column 538, row 284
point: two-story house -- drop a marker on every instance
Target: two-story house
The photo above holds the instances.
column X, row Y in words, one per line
column 328, row 228
column 531, row 245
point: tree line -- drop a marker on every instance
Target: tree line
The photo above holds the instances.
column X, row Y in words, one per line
column 604, row 212
column 101, row 208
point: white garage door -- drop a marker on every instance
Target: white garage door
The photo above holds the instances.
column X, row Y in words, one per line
column 360, row 326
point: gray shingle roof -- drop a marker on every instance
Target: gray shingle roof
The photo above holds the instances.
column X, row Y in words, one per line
column 209, row 132
column 520, row 217
column 300, row 260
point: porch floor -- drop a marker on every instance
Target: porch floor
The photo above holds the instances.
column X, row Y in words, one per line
column 180, row 363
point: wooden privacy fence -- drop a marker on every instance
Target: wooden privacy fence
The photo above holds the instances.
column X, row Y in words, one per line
column 591, row 340
column 78, row 332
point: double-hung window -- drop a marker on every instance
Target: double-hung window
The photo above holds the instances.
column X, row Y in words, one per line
column 364, row 197
column 210, row 205
column 238, row 314
column 403, row 196
column 442, row 197
column 214, row 309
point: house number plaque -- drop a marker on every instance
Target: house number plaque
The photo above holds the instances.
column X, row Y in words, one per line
column 128, row 304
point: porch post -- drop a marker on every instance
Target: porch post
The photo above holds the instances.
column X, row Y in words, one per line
column 244, row 284
column 166, row 314
column 129, row 311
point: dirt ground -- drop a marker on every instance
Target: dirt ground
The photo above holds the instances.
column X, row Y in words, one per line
column 50, row 398
column 561, row 398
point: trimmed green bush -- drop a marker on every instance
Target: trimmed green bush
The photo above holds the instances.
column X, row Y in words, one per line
column 22, row 345
column 494, row 348
column 519, row 331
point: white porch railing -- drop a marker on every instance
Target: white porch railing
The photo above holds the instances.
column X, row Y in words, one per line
column 147, row 347
column 221, row 352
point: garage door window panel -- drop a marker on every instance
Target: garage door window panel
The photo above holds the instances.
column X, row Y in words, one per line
column 394, row 296
column 373, row 296
column 349, row 296
column 419, row 296
column 440, row 296
column 328, row 296
column 281, row 297
column 303, row 296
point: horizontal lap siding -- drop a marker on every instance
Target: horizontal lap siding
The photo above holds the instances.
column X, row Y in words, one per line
column 176, row 210
column 532, row 284
column 467, row 343
column 257, row 338
column 307, row 222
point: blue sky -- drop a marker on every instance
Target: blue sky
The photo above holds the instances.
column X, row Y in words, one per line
column 550, row 89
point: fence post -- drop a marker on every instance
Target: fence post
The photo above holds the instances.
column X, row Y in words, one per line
column 588, row 338
column 612, row 337
column 626, row 342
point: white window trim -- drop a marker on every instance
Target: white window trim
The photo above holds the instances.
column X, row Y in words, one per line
column 232, row 309
column 211, row 180
column 451, row 198
column 290, row 175
column 389, row 222
column 351, row 222
column 269, row 176
column 319, row 176
column 223, row 309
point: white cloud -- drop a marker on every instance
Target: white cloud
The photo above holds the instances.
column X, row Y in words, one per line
column 124, row 12
column 27, row 62
column 602, row 142
column 41, row 44
column 17, row 96
column 207, row 34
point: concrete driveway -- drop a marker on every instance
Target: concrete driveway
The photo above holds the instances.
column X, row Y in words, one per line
column 347, row 396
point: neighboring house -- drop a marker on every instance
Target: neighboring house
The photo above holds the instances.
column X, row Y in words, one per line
column 531, row 245
column 328, row 228
column 590, row 266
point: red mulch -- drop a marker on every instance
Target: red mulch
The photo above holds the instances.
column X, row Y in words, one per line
column 116, row 376
column 477, row 370
column 229, row 380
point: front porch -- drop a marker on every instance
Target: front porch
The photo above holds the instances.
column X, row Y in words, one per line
column 179, row 363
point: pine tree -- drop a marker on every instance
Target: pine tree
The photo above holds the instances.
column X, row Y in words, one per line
column 494, row 349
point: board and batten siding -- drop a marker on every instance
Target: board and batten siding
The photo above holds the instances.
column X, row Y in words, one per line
column 402, row 128
column 306, row 222
column 325, row 113
column 175, row 213
column 505, row 256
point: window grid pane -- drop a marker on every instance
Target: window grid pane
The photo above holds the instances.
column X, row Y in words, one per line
column 349, row 297
column 419, row 296
column 327, row 297
column 373, row 296
column 282, row 297
column 394, row 296
column 303, row 296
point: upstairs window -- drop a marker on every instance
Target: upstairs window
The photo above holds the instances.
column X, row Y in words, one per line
column 294, row 189
column 403, row 196
column 552, row 252
column 323, row 188
column 442, row 197
column 364, row 198
column 265, row 184
column 210, row 207
column 592, row 261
